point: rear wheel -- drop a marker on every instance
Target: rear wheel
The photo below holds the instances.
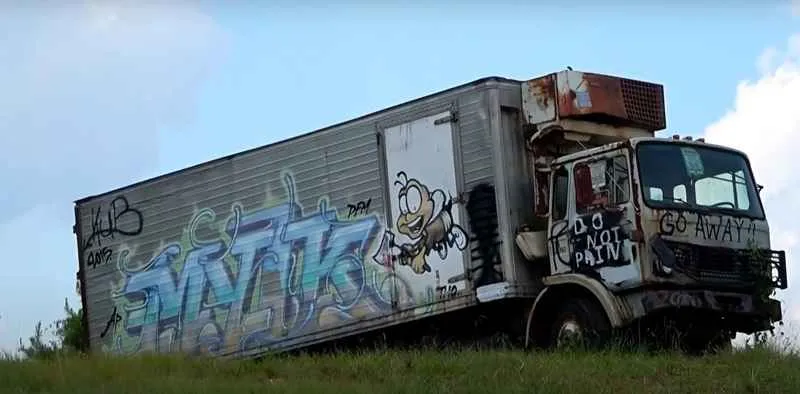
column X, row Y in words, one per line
column 579, row 322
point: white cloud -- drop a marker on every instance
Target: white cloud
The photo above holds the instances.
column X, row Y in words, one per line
column 765, row 123
column 86, row 90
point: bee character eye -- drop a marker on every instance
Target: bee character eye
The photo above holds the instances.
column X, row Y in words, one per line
column 414, row 199
column 403, row 204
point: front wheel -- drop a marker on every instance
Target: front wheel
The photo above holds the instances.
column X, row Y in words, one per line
column 579, row 322
column 700, row 342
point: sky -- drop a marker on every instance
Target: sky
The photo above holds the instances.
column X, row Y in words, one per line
column 100, row 94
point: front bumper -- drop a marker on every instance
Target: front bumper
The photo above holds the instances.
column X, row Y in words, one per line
column 745, row 312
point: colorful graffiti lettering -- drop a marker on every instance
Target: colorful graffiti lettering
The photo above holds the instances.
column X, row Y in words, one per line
column 271, row 274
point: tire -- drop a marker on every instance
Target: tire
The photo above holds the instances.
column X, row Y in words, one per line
column 583, row 317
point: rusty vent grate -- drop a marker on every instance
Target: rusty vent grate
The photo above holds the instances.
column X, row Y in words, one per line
column 644, row 103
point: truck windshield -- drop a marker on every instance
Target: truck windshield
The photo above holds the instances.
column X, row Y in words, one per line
column 683, row 176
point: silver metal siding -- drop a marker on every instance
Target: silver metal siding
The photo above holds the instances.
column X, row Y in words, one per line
column 475, row 139
column 341, row 165
column 478, row 167
column 517, row 184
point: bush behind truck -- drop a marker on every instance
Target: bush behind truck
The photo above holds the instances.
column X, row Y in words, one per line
column 548, row 204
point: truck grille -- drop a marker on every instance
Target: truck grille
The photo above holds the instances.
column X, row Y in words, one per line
column 729, row 266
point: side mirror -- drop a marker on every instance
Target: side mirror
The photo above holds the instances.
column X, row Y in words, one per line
column 759, row 188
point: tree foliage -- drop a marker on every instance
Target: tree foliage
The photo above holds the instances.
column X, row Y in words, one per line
column 69, row 337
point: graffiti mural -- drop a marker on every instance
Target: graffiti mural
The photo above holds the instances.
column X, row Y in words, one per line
column 426, row 219
column 268, row 275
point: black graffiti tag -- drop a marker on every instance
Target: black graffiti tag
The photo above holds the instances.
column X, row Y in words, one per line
column 359, row 208
column 669, row 223
column 723, row 229
column 482, row 215
column 716, row 228
column 558, row 230
column 112, row 322
column 447, row 291
column 106, row 224
column 597, row 240
column 99, row 257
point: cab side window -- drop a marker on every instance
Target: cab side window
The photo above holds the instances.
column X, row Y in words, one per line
column 603, row 182
column 618, row 179
column 560, row 193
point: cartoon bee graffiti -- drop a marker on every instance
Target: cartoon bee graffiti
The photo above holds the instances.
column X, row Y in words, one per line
column 426, row 219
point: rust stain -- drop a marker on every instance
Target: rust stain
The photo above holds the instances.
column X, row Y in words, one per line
column 543, row 89
column 614, row 100
column 565, row 107
column 542, row 193
column 603, row 92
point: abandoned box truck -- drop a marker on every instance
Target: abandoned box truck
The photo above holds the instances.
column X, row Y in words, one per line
column 552, row 196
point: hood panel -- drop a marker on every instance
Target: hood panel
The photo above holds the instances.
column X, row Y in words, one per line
column 691, row 248
column 708, row 229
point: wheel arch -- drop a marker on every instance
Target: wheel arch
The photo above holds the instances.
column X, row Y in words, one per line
column 571, row 285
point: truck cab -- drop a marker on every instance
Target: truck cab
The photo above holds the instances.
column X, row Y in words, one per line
column 637, row 229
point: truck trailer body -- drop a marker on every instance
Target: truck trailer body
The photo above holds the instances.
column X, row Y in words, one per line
column 535, row 191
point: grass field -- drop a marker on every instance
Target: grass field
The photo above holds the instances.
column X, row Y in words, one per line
column 464, row 371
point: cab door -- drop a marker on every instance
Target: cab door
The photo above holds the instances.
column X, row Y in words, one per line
column 594, row 224
column 604, row 220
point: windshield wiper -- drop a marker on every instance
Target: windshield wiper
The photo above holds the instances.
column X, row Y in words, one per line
column 678, row 199
column 727, row 211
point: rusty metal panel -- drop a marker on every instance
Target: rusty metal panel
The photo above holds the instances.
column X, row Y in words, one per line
column 539, row 99
column 603, row 98
column 624, row 101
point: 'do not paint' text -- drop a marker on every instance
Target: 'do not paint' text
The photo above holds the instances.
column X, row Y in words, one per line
column 597, row 240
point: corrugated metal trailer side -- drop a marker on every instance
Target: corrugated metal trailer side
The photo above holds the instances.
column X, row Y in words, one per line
column 372, row 222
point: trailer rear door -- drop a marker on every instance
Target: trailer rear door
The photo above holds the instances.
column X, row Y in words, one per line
column 425, row 236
